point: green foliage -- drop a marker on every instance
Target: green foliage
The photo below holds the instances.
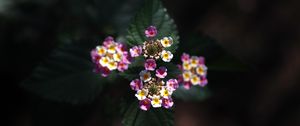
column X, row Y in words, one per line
column 195, row 93
column 66, row 76
column 134, row 116
column 153, row 13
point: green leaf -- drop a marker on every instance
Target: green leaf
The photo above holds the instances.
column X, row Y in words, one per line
column 66, row 76
column 134, row 116
column 132, row 73
column 195, row 93
column 153, row 13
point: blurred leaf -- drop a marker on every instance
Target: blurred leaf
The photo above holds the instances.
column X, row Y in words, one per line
column 132, row 73
column 47, row 113
column 66, row 76
column 195, row 93
column 153, row 117
column 153, row 13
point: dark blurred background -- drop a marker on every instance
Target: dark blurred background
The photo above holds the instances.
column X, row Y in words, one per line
column 263, row 34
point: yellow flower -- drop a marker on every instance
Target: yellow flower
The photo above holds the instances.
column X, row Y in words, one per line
column 112, row 65
column 111, row 48
column 186, row 66
column 145, row 75
column 166, row 42
column 165, row 92
column 117, row 57
column 141, row 94
column 186, row 75
column 195, row 80
column 166, row 56
column 104, row 61
column 156, row 101
column 101, row 50
column 201, row 70
column 194, row 61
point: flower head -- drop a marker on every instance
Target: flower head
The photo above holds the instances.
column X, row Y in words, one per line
column 150, row 64
column 110, row 56
column 151, row 32
column 193, row 70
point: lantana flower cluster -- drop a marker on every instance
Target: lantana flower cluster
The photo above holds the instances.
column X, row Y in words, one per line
column 194, row 71
column 110, row 56
column 153, row 48
column 151, row 89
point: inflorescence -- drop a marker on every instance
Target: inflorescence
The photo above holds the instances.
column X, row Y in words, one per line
column 193, row 71
column 152, row 88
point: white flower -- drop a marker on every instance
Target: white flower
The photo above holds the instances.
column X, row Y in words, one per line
column 166, row 41
column 165, row 92
column 104, row 61
column 112, row 48
column 166, row 56
column 194, row 61
column 186, row 66
column 201, row 70
column 156, row 101
column 101, row 50
column 141, row 94
column 117, row 57
column 186, row 75
column 195, row 80
column 145, row 75
column 112, row 65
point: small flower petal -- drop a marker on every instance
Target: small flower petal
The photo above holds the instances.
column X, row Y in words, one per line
column 172, row 84
column 167, row 102
column 166, row 56
column 141, row 94
column 195, row 80
column 156, row 101
column 166, row 42
column 185, row 57
column 136, row 84
column 145, row 76
column 135, row 51
column 145, row 104
column 151, row 32
column 150, row 64
column 161, row 72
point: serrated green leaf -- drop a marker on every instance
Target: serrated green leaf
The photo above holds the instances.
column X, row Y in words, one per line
column 153, row 117
column 66, row 76
column 195, row 93
column 153, row 13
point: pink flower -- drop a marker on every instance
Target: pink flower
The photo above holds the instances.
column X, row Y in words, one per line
column 201, row 60
column 187, row 85
column 185, row 57
column 94, row 55
column 121, row 47
column 108, row 41
column 104, row 71
column 122, row 66
column 135, row 51
column 172, row 84
column 150, row 64
column 167, row 102
column 136, row 84
column 203, row 81
column 161, row 72
column 145, row 104
column 151, row 32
